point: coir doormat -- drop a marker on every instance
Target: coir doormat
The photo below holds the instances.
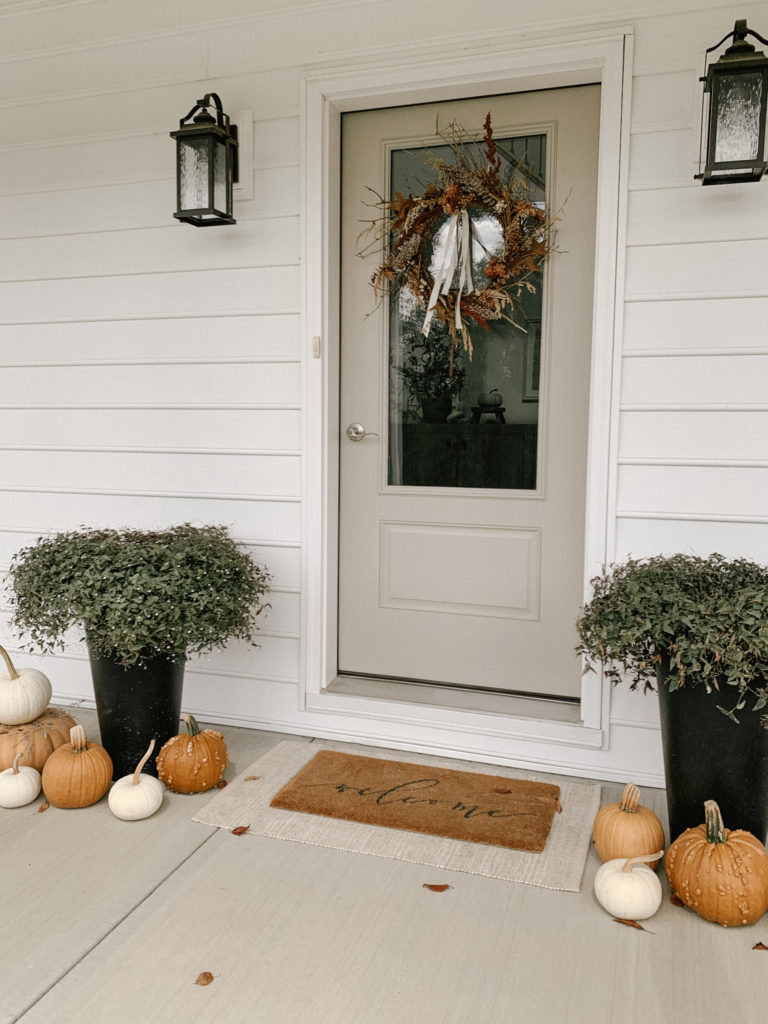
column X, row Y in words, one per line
column 245, row 805
column 476, row 808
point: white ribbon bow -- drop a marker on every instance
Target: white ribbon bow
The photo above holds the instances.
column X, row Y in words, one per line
column 457, row 254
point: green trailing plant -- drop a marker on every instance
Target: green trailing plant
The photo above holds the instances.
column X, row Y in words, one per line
column 701, row 621
column 137, row 594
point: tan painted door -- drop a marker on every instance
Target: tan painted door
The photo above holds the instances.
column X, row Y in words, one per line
column 462, row 530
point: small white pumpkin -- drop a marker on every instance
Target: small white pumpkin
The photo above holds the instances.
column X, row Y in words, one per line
column 19, row 784
column 24, row 694
column 627, row 888
column 136, row 796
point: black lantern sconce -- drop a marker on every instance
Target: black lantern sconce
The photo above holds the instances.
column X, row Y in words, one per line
column 738, row 93
column 206, row 165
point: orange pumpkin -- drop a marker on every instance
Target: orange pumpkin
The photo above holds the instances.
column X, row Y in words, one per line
column 37, row 740
column 627, row 829
column 78, row 773
column 720, row 874
column 194, row 762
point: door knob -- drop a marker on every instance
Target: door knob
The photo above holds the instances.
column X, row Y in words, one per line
column 356, row 432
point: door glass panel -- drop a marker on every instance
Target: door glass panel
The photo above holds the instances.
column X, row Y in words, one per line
column 478, row 426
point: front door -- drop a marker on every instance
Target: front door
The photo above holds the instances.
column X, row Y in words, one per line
column 462, row 490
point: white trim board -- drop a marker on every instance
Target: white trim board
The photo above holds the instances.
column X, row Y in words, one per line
column 604, row 58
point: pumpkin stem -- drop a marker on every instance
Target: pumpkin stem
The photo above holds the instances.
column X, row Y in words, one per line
column 630, row 798
column 8, row 663
column 191, row 723
column 16, row 762
column 647, row 859
column 714, row 822
column 143, row 761
column 77, row 739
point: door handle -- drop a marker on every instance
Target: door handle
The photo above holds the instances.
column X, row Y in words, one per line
column 356, row 432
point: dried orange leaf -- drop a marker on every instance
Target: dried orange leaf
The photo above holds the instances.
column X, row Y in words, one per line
column 222, row 784
column 629, row 923
column 760, row 945
column 252, row 778
column 204, row 979
column 43, row 807
column 435, row 888
column 240, row 830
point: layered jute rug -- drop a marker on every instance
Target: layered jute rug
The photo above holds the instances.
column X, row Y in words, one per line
column 416, row 800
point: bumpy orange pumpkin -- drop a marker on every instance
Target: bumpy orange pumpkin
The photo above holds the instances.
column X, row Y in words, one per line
column 194, row 762
column 37, row 739
column 720, row 874
column 627, row 829
column 78, row 773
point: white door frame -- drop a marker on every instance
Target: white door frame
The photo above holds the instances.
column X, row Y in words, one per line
column 500, row 67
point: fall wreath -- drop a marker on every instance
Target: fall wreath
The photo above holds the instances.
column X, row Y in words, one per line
column 409, row 225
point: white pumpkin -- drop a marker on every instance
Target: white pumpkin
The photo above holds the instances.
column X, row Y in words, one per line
column 136, row 796
column 627, row 888
column 24, row 694
column 19, row 784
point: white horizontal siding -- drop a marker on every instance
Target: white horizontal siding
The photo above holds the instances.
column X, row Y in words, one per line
column 161, row 382
column 641, row 537
column 721, row 434
column 176, row 293
column 131, row 205
column 674, row 216
column 704, row 270
column 714, row 491
column 154, row 472
column 259, row 243
column 236, row 337
column 48, row 510
column 713, row 379
column 142, row 429
column 711, row 323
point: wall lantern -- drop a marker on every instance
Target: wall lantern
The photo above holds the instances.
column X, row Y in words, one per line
column 738, row 93
column 206, row 165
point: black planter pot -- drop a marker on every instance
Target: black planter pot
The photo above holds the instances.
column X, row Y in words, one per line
column 436, row 410
column 135, row 704
column 709, row 757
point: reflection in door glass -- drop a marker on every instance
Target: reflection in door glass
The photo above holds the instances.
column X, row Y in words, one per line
column 478, row 426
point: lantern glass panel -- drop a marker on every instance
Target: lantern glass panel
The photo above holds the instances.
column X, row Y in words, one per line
column 194, row 156
column 220, row 191
column 738, row 117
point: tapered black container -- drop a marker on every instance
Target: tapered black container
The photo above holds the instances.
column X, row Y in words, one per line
column 708, row 757
column 135, row 704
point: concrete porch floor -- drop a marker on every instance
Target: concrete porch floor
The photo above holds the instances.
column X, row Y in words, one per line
column 110, row 922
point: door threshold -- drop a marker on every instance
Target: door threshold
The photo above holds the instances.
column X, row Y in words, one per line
column 446, row 695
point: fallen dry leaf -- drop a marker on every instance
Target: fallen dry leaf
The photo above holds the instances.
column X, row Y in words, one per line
column 760, row 945
column 435, row 888
column 222, row 784
column 252, row 778
column 504, row 791
column 204, row 979
column 43, row 807
column 240, row 830
column 629, row 923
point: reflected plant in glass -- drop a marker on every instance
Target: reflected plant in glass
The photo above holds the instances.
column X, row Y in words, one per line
column 424, row 367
